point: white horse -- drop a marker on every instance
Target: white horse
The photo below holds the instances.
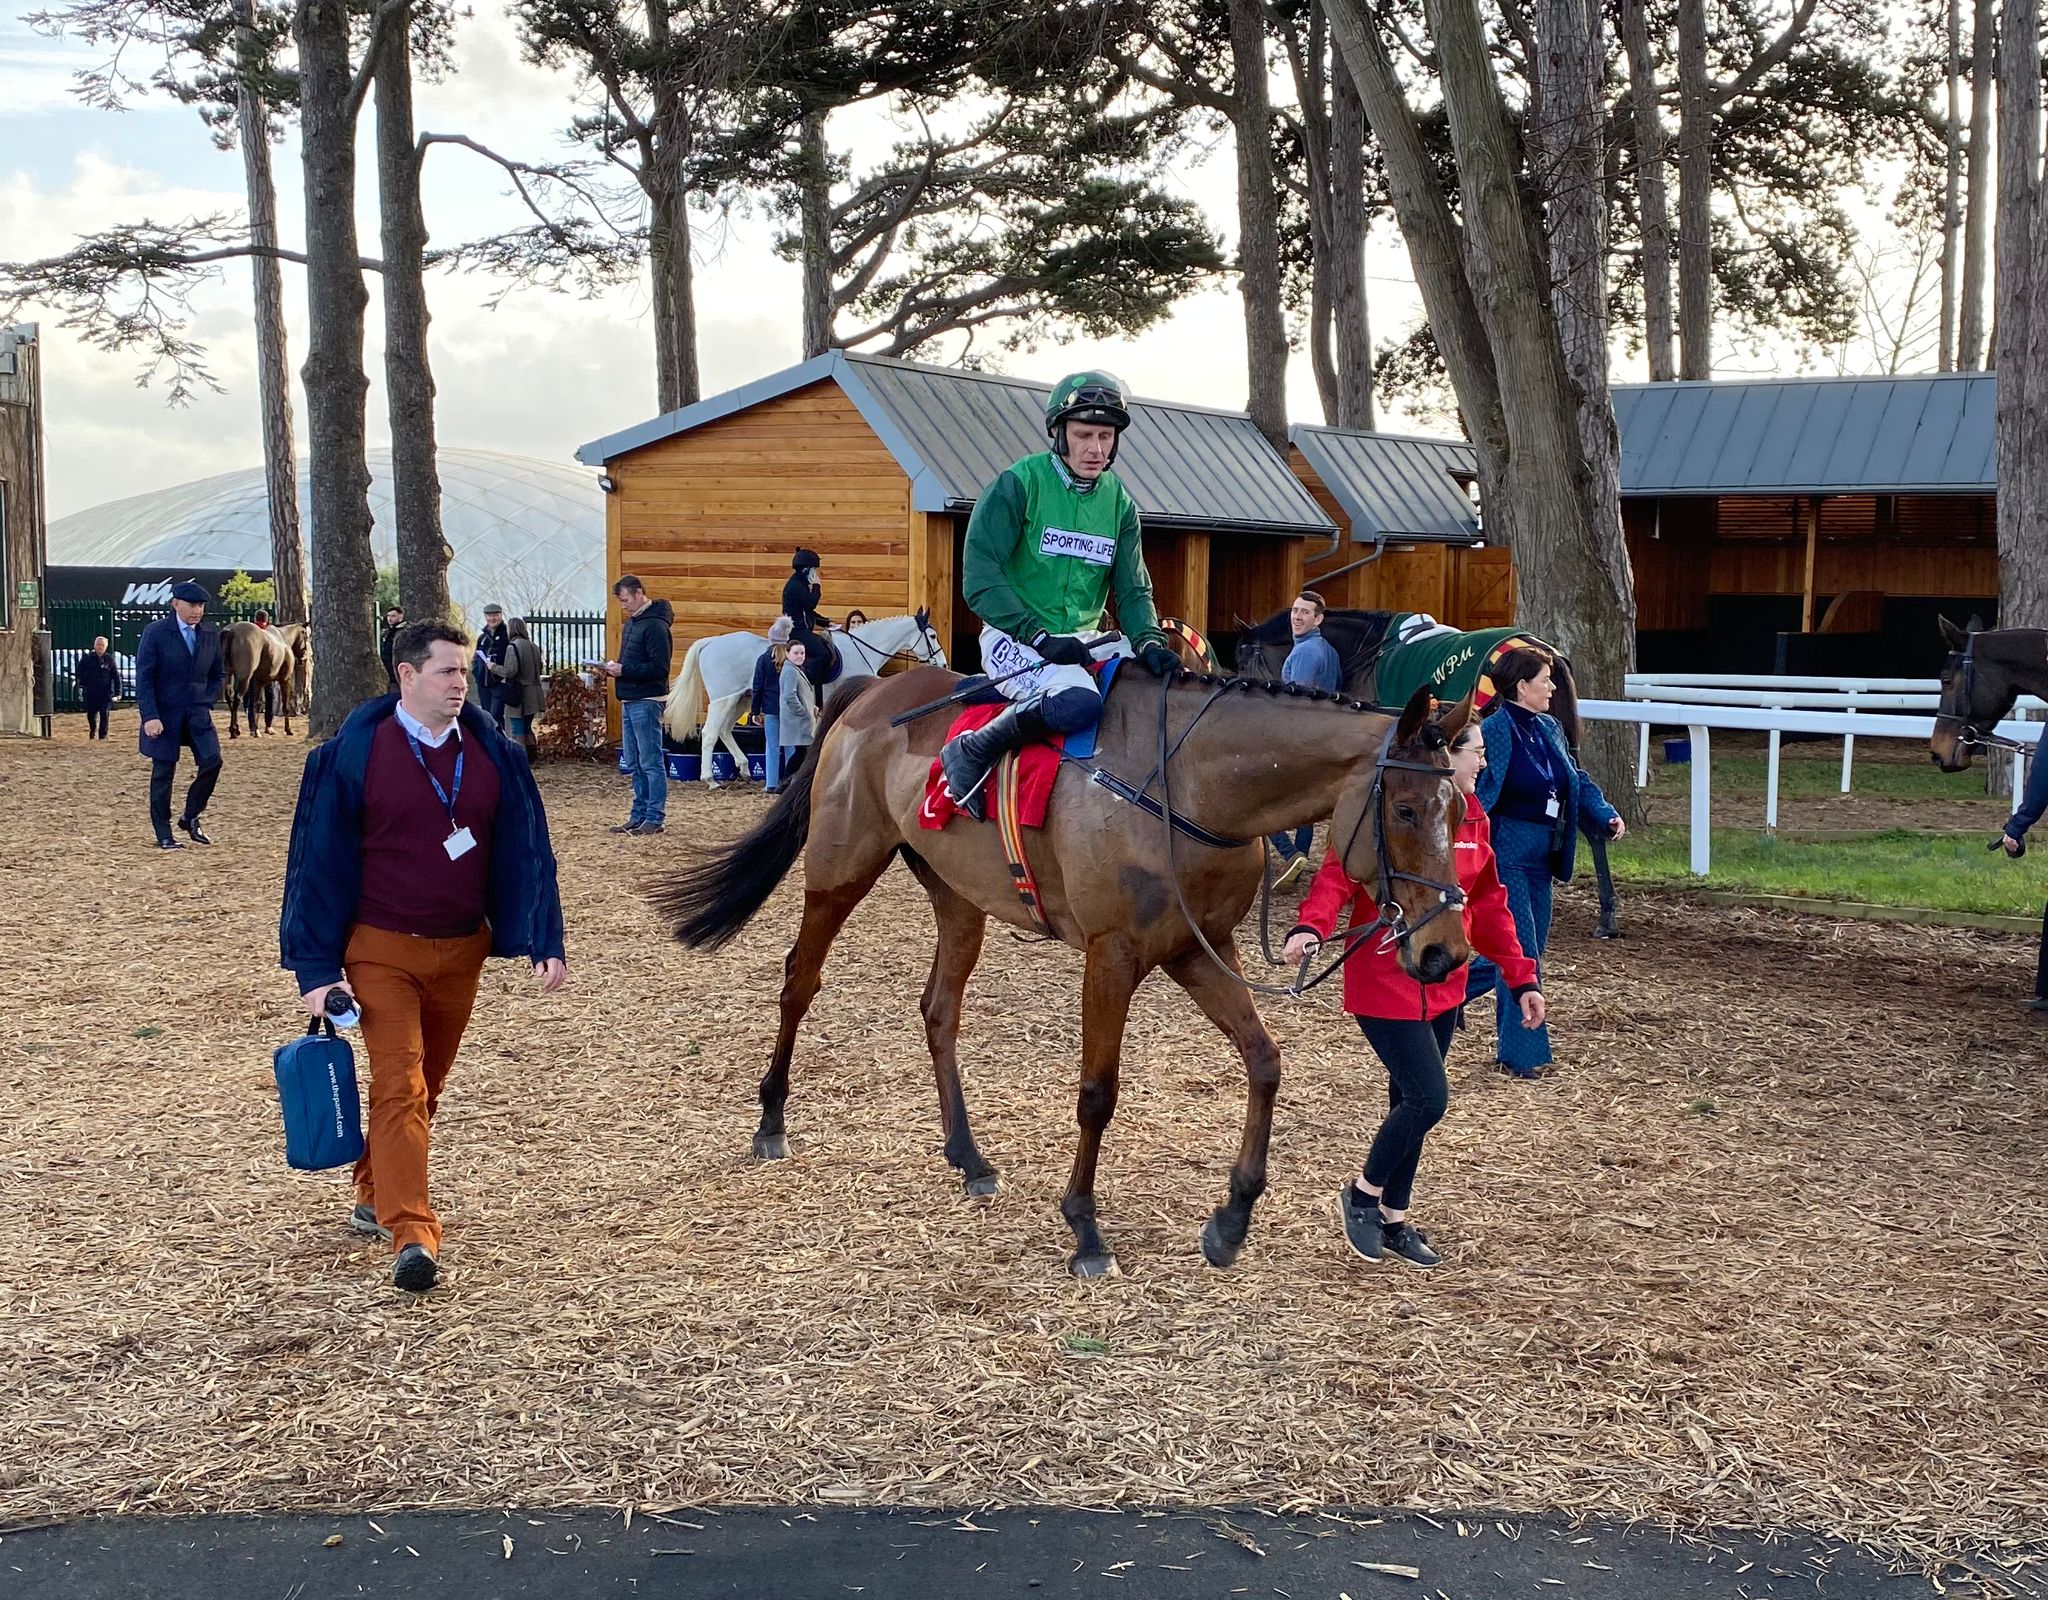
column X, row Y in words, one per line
column 720, row 669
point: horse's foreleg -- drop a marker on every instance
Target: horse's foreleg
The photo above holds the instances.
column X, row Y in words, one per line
column 962, row 925
column 1227, row 1003
column 1112, row 978
column 825, row 913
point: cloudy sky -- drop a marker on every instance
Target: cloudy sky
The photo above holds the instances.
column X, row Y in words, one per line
column 537, row 373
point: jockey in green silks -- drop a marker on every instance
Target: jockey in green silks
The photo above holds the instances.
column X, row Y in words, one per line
column 1052, row 541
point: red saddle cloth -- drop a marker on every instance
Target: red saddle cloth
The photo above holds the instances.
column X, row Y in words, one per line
column 1038, row 765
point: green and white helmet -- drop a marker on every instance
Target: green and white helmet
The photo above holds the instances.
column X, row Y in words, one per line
column 1087, row 397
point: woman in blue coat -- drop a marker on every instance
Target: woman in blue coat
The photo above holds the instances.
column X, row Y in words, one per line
column 1537, row 800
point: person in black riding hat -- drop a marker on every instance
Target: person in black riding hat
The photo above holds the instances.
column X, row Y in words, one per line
column 800, row 593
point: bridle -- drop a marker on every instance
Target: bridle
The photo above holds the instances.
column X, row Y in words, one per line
column 873, row 657
column 1390, row 927
column 1966, row 697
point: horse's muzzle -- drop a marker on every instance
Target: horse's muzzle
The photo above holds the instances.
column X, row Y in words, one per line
column 1435, row 964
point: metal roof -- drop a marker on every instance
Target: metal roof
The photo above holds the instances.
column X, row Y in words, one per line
column 1926, row 435
column 952, row 432
column 1391, row 485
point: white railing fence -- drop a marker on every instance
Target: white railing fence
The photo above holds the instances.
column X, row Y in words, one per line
column 1851, row 696
column 1699, row 719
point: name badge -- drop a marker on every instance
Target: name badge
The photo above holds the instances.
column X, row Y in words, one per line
column 459, row 843
column 1549, row 808
column 1098, row 550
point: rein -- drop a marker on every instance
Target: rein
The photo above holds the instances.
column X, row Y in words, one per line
column 1391, row 924
column 873, row 656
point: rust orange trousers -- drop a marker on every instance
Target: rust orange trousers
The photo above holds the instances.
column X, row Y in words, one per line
column 415, row 995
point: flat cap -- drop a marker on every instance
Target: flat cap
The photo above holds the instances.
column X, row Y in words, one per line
column 190, row 593
column 494, row 610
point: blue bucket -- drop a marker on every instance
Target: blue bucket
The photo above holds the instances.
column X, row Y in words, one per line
column 683, row 768
column 1677, row 751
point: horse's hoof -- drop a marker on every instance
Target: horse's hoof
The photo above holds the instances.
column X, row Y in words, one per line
column 771, row 1147
column 1094, row 1266
column 981, row 1188
column 1217, row 1250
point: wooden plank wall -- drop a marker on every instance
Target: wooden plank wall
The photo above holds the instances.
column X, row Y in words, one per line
column 708, row 519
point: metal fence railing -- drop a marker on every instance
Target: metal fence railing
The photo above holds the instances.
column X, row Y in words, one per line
column 567, row 638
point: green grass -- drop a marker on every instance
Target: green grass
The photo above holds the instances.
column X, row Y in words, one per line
column 1814, row 771
column 1888, row 869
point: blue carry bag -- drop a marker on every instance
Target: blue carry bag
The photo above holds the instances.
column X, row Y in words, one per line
column 316, row 1086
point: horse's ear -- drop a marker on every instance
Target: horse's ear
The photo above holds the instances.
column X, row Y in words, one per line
column 1414, row 715
column 1976, row 623
column 923, row 617
column 1453, row 721
column 1955, row 636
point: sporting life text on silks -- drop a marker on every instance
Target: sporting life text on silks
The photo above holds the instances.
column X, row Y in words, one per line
column 1097, row 549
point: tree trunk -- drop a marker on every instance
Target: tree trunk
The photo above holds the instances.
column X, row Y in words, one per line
column 1977, row 224
column 2022, row 353
column 1572, row 570
column 423, row 554
column 1350, row 221
column 1258, row 217
column 665, row 176
column 1952, row 189
column 1310, row 55
column 1695, row 195
column 1652, row 204
column 273, row 369
column 344, row 572
column 815, row 203
column 1435, row 250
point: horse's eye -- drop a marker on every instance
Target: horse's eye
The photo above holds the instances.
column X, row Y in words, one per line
column 1406, row 814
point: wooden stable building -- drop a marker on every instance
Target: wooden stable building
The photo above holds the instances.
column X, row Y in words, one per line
column 1408, row 537
column 1808, row 524
column 876, row 465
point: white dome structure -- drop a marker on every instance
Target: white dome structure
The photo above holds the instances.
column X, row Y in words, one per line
column 526, row 533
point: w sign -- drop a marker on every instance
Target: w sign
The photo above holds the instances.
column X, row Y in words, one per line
column 147, row 594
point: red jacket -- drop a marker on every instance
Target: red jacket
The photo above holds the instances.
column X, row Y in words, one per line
column 1375, row 984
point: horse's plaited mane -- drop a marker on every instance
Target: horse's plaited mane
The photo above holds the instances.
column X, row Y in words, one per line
column 1274, row 687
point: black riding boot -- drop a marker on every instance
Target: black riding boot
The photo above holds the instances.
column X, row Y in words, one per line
column 969, row 759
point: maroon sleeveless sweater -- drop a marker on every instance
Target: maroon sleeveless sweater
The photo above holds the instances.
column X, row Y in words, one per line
column 409, row 884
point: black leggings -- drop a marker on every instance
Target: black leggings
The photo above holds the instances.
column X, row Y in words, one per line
column 1417, row 1095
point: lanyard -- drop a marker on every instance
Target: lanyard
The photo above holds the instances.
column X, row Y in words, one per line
column 447, row 799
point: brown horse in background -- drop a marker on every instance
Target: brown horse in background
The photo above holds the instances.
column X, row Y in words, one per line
column 1236, row 760
column 280, row 654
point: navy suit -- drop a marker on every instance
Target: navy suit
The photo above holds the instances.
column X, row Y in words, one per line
column 178, row 686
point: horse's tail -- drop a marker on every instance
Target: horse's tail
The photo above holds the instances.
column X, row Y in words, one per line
column 686, row 696
column 1564, row 705
column 717, row 894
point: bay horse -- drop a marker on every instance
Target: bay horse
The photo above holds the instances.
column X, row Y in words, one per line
column 1985, row 672
column 280, row 654
column 1241, row 759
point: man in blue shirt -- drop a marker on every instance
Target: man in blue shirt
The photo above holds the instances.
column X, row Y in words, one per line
column 1312, row 662
column 178, row 677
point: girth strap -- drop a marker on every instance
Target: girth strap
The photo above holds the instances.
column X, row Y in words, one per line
column 1006, row 784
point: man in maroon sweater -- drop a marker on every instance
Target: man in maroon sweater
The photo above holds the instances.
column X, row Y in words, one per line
column 419, row 849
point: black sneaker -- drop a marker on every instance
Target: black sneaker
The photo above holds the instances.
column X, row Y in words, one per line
column 363, row 1220
column 1410, row 1243
column 1362, row 1227
column 646, row 828
column 625, row 827
column 415, row 1270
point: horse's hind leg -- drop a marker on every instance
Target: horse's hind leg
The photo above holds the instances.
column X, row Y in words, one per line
column 825, row 913
column 717, row 730
column 1228, row 1003
column 962, row 925
column 1112, row 978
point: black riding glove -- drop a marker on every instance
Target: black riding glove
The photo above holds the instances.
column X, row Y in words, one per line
column 1159, row 660
column 1062, row 650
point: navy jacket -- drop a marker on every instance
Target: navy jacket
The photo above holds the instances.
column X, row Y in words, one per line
column 2035, row 799
column 766, row 694
column 324, row 869
column 172, row 682
column 1586, row 807
column 99, row 678
column 645, row 647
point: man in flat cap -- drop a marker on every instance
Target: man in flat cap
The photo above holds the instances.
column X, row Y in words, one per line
column 492, row 645
column 178, row 675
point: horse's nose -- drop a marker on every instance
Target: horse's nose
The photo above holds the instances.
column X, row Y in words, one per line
column 1435, row 965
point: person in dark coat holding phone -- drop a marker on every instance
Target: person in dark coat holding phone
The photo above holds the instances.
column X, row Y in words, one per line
column 646, row 647
column 99, row 685
column 178, row 676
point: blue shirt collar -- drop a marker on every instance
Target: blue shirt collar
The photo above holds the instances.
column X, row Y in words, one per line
column 418, row 729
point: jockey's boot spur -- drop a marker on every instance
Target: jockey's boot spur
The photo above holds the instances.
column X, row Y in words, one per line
column 968, row 760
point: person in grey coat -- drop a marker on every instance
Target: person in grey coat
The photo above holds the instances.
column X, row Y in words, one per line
column 798, row 716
